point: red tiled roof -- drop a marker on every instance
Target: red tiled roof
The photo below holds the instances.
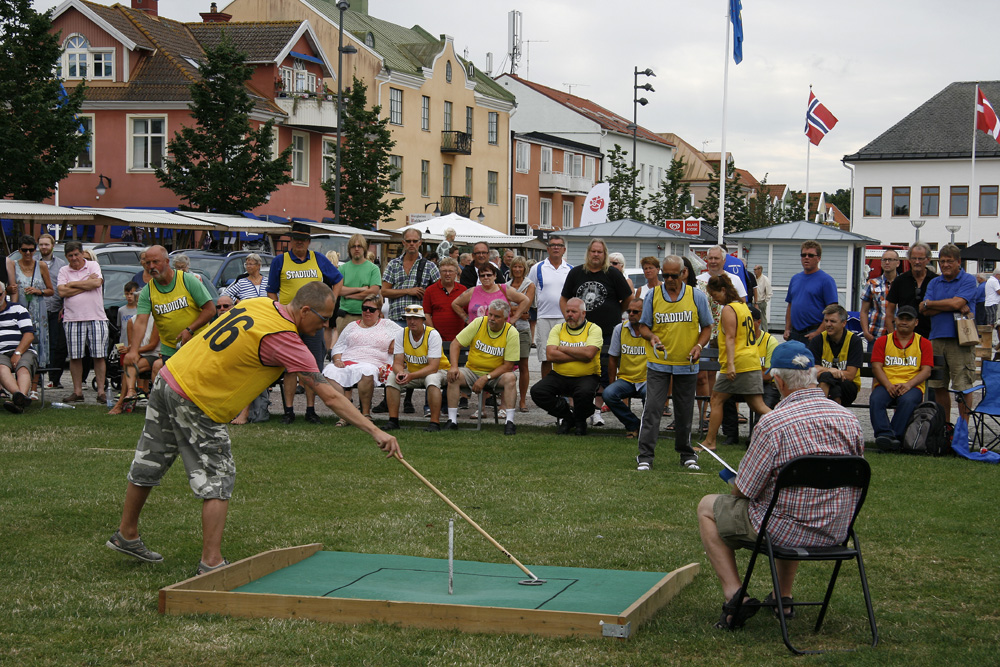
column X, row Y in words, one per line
column 609, row 120
column 747, row 179
column 839, row 218
column 775, row 191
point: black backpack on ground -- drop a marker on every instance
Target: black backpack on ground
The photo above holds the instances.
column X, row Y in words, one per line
column 927, row 431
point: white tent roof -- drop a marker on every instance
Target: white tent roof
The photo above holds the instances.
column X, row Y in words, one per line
column 236, row 223
column 466, row 231
column 347, row 229
column 31, row 210
column 152, row 218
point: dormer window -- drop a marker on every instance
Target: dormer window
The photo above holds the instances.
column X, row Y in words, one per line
column 370, row 41
column 447, row 72
column 296, row 79
column 80, row 61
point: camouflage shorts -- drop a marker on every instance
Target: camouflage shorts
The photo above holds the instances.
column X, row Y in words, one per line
column 175, row 425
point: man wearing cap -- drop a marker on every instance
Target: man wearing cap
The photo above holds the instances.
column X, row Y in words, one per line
column 841, row 354
column 627, row 355
column 290, row 271
column 804, row 422
column 901, row 363
column 417, row 364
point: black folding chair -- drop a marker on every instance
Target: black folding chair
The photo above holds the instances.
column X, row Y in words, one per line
column 817, row 472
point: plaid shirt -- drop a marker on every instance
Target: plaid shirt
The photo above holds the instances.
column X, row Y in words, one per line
column 804, row 422
column 876, row 291
column 399, row 279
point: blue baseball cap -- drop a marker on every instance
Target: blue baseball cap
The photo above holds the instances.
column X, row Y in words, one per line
column 794, row 355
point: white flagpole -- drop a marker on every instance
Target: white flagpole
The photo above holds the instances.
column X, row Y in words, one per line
column 972, row 183
column 723, row 165
column 805, row 213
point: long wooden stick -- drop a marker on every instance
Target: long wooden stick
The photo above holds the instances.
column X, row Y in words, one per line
column 468, row 518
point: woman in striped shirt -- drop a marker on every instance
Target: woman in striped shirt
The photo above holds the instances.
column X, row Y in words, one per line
column 250, row 285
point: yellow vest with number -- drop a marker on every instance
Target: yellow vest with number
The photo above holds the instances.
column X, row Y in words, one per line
column 416, row 357
column 576, row 369
column 745, row 351
column 220, row 368
column 487, row 349
column 763, row 342
column 841, row 361
column 676, row 325
column 295, row 275
column 172, row 311
column 901, row 364
column 635, row 350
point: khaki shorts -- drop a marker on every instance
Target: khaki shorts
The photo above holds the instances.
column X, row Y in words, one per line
column 433, row 380
column 27, row 360
column 733, row 520
column 959, row 364
column 542, row 329
column 471, row 376
column 746, row 383
column 346, row 319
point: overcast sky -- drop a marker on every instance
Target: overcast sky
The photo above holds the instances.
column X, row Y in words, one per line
column 871, row 62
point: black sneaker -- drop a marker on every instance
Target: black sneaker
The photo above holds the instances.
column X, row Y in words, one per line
column 690, row 462
column 288, row 418
column 565, row 426
column 381, row 407
column 451, row 426
column 408, row 409
column 731, row 440
column 313, row 418
column 463, row 403
column 581, row 427
column 491, row 401
column 20, row 400
column 135, row 548
column 427, row 411
column 887, row 444
column 12, row 408
column 433, row 427
column 391, row 425
column 510, row 429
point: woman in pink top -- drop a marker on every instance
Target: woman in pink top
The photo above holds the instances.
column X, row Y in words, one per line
column 476, row 302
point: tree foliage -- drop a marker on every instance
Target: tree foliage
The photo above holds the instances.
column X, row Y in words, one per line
column 223, row 164
column 841, row 199
column 672, row 200
column 625, row 191
column 737, row 217
column 40, row 136
column 763, row 211
column 795, row 206
column 366, row 173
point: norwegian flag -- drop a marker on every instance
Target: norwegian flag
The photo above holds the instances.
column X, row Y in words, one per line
column 986, row 117
column 819, row 120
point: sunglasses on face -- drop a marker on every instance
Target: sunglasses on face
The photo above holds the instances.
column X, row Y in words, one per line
column 670, row 276
column 27, row 250
column 224, row 306
column 808, row 254
column 485, row 274
column 634, row 312
column 357, row 246
column 616, row 263
column 369, row 309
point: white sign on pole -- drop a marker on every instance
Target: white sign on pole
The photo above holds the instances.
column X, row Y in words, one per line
column 595, row 207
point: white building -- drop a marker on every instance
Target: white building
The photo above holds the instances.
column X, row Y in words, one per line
column 921, row 169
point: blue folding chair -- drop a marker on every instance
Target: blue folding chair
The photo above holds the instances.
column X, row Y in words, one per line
column 984, row 419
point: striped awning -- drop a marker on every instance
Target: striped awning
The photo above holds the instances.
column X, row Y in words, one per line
column 30, row 210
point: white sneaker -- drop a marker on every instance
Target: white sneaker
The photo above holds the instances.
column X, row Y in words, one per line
column 474, row 415
column 596, row 419
column 33, row 395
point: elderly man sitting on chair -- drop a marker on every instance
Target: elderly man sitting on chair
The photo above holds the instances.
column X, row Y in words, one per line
column 804, row 422
column 18, row 361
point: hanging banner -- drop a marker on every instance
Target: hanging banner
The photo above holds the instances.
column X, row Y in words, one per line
column 595, row 207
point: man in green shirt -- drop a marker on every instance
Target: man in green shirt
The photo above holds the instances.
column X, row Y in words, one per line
column 361, row 280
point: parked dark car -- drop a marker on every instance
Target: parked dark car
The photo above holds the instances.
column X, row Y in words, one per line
column 223, row 269
column 115, row 277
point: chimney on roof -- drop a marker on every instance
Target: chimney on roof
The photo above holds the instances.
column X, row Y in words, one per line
column 213, row 15
column 359, row 7
column 148, row 6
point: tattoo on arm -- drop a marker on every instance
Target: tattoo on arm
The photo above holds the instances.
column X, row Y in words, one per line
column 315, row 377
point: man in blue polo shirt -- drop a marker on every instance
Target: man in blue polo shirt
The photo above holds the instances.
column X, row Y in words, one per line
column 949, row 296
column 809, row 292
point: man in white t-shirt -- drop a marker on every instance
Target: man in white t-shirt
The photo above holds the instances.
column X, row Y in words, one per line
column 549, row 275
column 992, row 297
column 417, row 363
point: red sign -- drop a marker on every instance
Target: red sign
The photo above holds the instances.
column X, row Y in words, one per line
column 675, row 225
column 689, row 227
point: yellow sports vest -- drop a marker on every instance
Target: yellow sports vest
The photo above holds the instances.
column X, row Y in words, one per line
column 745, row 351
column 294, row 276
column 416, row 357
column 635, row 350
column 762, row 344
column 901, row 364
column 576, row 369
column 841, row 361
column 172, row 311
column 220, row 368
column 487, row 349
column 676, row 324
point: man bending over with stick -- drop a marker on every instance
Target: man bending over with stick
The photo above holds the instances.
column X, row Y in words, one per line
column 254, row 343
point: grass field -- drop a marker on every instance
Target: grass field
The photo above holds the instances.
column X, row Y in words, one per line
column 929, row 532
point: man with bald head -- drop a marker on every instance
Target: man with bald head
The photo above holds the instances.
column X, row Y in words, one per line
column 574, row 348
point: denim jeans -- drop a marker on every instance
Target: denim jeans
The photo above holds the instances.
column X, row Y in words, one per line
column 614, row 397
column 880, row 402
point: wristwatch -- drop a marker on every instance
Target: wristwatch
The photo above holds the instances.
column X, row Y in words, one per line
column 489, row 376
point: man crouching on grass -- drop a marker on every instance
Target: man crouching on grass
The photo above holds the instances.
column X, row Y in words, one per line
column 804, row 422
column 253, row 344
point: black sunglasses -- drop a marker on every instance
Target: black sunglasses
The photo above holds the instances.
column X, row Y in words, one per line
column 670, row 276
column 27, row 250
column 808, row 254
column 635, row 312
column 369, row 309
column 224, row 306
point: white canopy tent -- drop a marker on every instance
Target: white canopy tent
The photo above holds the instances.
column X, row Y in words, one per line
column 466, row 231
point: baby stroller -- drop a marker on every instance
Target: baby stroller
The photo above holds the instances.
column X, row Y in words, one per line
column 112, row 360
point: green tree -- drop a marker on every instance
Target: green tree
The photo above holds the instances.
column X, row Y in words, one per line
column 795, row 204
column 366, row 172
column 736, row 205
column 841, row 199
column 626, row 200
column 223, row 164
column 672, row 200
column 763, row 211
column 40, row 136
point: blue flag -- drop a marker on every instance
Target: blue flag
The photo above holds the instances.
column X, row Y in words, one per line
column 735, row 15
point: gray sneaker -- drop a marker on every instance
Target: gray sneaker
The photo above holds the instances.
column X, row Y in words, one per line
column 205, row 569
column 134, row 548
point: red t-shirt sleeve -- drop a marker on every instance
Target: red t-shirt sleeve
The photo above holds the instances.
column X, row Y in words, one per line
column 926, row 353
column 286, row 349
column 878, row 350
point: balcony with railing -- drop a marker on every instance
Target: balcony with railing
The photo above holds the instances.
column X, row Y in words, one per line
column 557, row 181
column 453, row 141
column 309, row 110
column 456, row 204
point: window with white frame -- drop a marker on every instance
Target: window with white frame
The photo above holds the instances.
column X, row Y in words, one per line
column 103, row 64
column 577, row 165
column 447, row 116
column 567, row 219
column 650, row 177
column 396, row 184
column 468, row 121
column 329, row 159
column 149, row 142
column 522, row 162
column 545, row 214
column 296, row 79
column 446, row 180
column 492, row 179
column 300, row 158
column 468, row 182
column 76, row 55
column 546, row 161
column 588, row 169
column 493, row 128
column 85, row 159
column 521, row 209
column 425, row 113
column 567, row 162
column 395, row 106
column 425, row 178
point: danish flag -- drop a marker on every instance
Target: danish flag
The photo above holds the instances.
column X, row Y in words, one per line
column 986, row 117
column 819, row 120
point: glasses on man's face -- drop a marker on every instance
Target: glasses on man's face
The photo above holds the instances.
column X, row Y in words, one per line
column 633, row 311
column 320, row 315
column 557, row 245
column 481, row 252
column 27, row 250
column 889, row 259
column 808, row 254
column 227, row 306
column 411, row 241
column 357, row 246
column 369, row 309
column 670, row 276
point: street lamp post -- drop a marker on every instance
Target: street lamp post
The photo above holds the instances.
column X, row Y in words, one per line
column 917, row 224
column 342, row 6
column 636, row 101
column 953, row 229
